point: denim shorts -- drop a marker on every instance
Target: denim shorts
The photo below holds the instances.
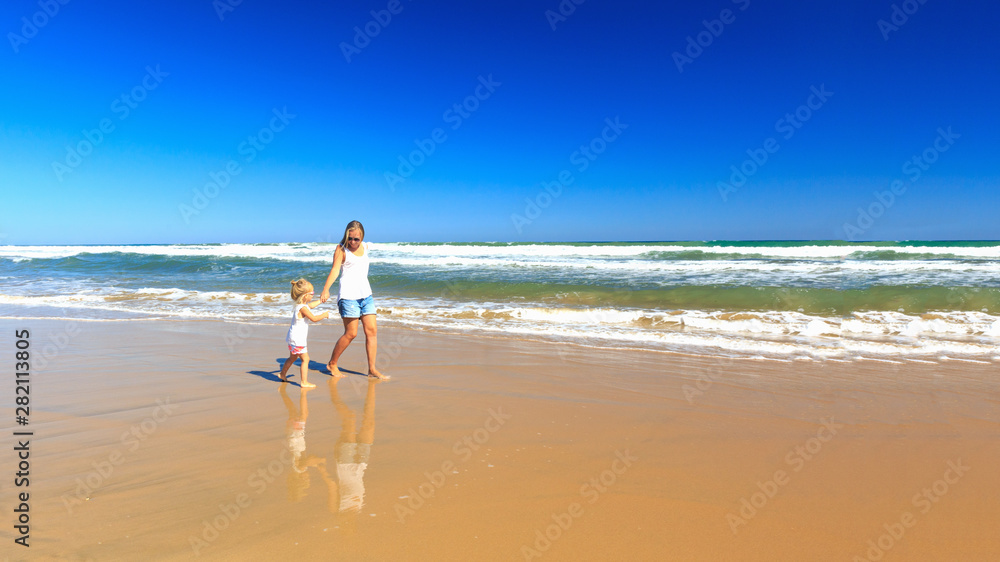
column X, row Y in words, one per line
column 356, row 308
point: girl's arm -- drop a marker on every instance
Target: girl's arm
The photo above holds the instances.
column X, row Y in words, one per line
column 308, row 313
column 338, row 260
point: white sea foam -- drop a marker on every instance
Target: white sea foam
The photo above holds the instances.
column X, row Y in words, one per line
column 296, row 252
column 599, row 250
column 693, row 266
column 754, row 265
column 778, row 332
column 789, row 333
column 318, row 250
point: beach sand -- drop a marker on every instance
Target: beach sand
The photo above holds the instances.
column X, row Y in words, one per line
column 170, row 440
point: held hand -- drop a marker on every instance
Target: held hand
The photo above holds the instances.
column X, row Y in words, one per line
column 324, row 296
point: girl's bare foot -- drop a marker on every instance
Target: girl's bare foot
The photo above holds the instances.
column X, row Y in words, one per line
column 282, row 377
column 373, row 372
column 307, row 385
column 334, row 370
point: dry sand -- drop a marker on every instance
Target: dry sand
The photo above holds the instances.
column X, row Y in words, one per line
column 169, row 440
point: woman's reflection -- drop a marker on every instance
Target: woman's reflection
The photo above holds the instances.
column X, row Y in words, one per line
column 346, row 483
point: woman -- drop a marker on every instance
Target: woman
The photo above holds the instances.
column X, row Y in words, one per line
column 355, row 299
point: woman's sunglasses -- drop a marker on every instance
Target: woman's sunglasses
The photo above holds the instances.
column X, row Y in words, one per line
column 349, row 239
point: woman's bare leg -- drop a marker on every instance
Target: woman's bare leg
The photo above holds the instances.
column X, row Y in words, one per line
column 371, row 344
column 350, row 332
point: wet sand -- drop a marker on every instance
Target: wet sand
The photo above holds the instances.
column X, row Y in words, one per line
column 174, row 440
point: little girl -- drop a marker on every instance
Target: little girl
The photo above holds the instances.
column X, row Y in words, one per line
column 302, row 291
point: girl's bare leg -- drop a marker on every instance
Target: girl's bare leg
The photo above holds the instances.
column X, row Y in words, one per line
column 350, row 332
column 288, row 365
column 371, row 344
column 304, row 383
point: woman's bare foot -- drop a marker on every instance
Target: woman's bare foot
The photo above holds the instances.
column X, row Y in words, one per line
column 334, row 370
column 307, row 385
column 373, row 372
column 282, row 377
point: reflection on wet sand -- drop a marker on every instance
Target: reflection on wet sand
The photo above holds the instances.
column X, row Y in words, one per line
column 295, row 433
column 344, row 477
column 345, row 480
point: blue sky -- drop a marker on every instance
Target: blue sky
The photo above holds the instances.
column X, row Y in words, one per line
column 310, row 136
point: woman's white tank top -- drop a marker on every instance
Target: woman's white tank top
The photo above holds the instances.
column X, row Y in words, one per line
column 354, row 275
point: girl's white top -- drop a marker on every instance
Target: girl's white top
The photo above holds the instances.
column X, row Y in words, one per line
column 298, row 332
column 354, row 275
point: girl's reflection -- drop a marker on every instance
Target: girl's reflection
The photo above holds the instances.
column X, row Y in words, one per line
column 295, row 431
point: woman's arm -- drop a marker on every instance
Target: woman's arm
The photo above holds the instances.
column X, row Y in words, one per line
column 338, row 260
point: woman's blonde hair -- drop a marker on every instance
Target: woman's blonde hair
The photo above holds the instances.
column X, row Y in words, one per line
column 353, row 225
column 300, row 289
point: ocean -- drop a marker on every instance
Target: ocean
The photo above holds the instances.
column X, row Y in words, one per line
column 820, row 301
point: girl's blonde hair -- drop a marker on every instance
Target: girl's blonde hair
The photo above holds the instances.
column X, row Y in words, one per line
column 353, row 225
column 300, row 289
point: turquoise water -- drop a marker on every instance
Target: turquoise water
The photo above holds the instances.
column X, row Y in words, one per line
column 917, row 298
